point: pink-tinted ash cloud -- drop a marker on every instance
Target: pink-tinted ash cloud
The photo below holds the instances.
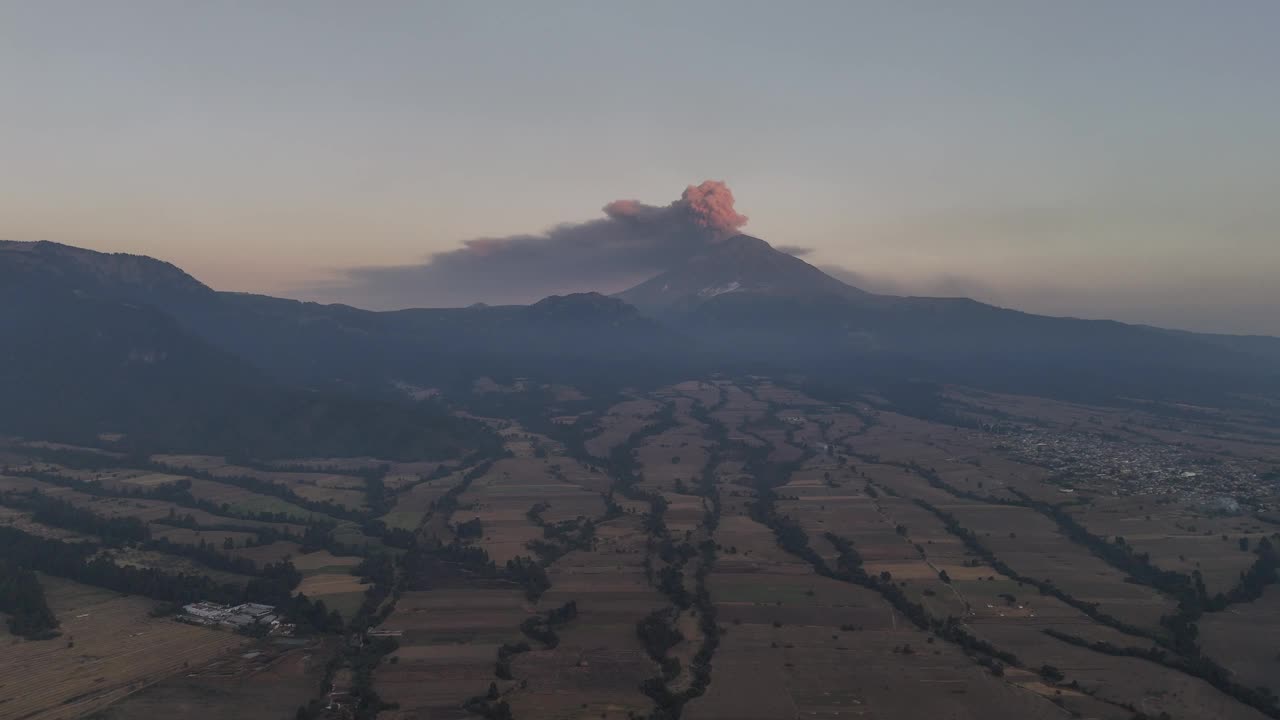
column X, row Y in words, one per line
column 633, row 241
column 711, row 206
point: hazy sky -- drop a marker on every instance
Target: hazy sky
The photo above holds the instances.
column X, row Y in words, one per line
column 1104, row 159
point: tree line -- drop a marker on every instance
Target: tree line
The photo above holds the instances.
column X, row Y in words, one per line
column 22, row 599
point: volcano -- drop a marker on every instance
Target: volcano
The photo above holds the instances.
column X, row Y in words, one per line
column 740, row 265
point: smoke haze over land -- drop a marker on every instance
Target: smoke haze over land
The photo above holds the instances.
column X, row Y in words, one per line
column 635, row 240
column 632, row 242
column 335, row 147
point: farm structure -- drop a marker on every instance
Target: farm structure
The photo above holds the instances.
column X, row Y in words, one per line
column 236, row 616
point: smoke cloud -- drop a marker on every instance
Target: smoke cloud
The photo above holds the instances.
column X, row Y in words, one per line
column 794, row 250
column 631, row 243
column 711, row 206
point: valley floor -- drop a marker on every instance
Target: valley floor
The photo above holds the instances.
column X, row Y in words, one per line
column 715, row 549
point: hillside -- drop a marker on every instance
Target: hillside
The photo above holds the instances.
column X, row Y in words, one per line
column 740, row 265
column 73, row 368
column 740, row 306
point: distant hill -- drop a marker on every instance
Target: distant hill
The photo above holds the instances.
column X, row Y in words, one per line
column 84, row 273
column 309, row 343
column 86, row 349
column 740, row 306
column 580, row 338
column 740, row 265
column 744, row 298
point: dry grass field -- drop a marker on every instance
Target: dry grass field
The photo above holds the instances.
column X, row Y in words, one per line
column 618, row 423
column 801, row 645
column 22, row 520
column 241, row 501
column 1246, row 640
column 599, row 664
column 142, row 509
column 448, row 648
column 503, row 496
column 109, row 648
column 894, row 535
column 267, row 681
column 345, row 490
column 857, row 561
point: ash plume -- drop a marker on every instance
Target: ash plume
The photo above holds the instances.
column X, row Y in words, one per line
column 711, row 205
column 794, row 250
column 632, row 242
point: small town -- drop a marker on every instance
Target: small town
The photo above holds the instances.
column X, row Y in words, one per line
column 1120, row 468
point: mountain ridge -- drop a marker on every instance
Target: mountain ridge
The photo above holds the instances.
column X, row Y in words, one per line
column 89, row 272
column 783, row 315
column 739, row 264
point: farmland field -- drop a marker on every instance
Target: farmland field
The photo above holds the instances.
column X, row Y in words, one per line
column 265, row 682
column 110, row 647
column 709, row 549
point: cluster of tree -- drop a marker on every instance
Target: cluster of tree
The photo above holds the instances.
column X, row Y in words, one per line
column 788, row 533
column 1119, row 554
column 490, row 706
column 1254, row 581
column 426, row 567
column 364, row 472
column 974, row 545
column 361, row 656
column 81, row 562
column 505, row 653
column 308, row 613
column 1183, row 625
column 208, row 555
column 319, row 535
column 56, row 512
column 378, row 568
column 1188, row 590
column 658, row 633
column 469, row 530
column 1259, row 698
column 378, row 499
column 560, row 538
column 671, row 583
column 577, row 534
column 623, row 466
column 447, row 504
column 266, row 487
column 399, row 538
column 361, row 659
column 542, row 628
column 119, row 530
column 851, row 570
column 530, row 575
column 22, row 599
column 657, row 630
column 1183, row 641
column 266, row 534
column 708, row 625
column 1181, row 586
column 179, row 493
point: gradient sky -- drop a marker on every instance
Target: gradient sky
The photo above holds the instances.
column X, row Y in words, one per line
column 1101, row 159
